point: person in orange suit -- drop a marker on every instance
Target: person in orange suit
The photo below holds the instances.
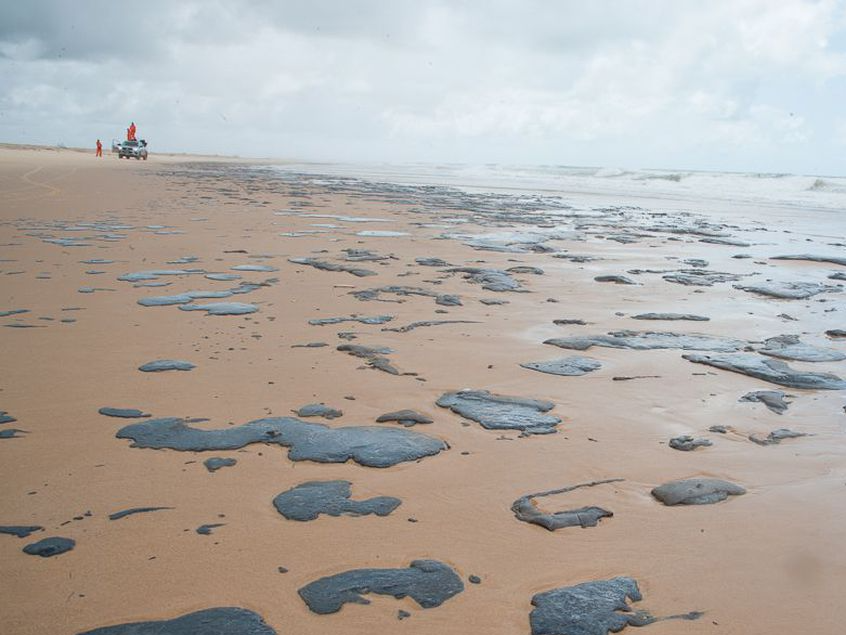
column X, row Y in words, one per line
column 99, row 152
column 131, row 136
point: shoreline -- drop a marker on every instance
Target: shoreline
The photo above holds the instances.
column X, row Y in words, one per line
column 218, row 216
column 170, row 156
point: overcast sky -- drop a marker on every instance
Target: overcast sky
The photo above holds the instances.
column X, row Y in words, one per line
column 749, row 85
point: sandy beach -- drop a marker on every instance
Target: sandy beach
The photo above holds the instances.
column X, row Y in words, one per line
column 514, row 269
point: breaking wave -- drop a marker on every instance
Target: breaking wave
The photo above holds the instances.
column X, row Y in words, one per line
column 675, row 177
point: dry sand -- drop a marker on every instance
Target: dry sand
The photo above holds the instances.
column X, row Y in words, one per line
column 771, row 561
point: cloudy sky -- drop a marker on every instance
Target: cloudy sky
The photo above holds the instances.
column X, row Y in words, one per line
column 749, row 85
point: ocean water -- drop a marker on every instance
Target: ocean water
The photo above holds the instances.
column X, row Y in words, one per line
column 797, row 199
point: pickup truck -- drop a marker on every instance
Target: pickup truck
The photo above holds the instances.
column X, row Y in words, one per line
column 130, row 149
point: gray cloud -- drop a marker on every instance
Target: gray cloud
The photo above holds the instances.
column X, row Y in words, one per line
column 81, row 31
column 729, row 84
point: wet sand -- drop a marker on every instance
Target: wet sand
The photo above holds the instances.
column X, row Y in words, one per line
column 769, row 561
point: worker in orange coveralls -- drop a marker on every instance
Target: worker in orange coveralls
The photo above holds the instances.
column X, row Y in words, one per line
column 130, row 133
column 99, row 152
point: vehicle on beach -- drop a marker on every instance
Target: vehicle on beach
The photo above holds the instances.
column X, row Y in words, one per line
column 133, row 149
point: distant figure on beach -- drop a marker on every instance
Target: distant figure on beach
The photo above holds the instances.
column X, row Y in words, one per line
column 99, row 152
column 130, row 132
